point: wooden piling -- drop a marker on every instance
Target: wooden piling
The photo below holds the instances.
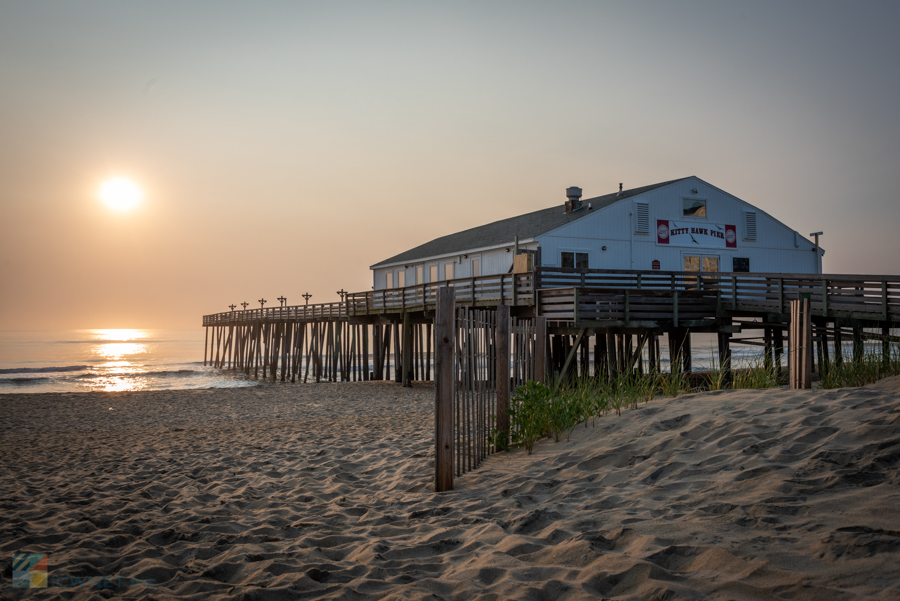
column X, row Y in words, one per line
column 724, row 339
column 365, row 352
column 858, row 348
column 406, row 351
column 838, row 344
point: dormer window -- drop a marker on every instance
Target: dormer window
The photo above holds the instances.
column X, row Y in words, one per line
column 694, row 207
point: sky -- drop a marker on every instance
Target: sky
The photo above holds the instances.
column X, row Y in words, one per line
column 284, row 147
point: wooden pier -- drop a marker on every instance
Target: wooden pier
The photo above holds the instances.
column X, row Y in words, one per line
column 387, row 334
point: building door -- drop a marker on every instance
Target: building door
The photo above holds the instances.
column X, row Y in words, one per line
column 702, row 264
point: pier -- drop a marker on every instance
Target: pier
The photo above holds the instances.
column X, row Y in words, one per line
column 622, row 311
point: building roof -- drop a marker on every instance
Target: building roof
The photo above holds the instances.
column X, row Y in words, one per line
column 502, row 232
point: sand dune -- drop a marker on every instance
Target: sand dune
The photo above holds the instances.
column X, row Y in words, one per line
column 324, row 491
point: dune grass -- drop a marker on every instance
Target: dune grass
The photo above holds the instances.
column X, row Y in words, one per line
column 541, row 410
column 871, row 366
column 538, row 410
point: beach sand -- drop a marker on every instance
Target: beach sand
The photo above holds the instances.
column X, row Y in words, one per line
column 325, row 491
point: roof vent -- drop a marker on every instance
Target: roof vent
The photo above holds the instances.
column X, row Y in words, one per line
column 573, row 193
column 620, row 188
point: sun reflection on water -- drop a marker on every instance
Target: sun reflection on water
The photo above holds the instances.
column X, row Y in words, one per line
column 120, row 334
column 119, row 347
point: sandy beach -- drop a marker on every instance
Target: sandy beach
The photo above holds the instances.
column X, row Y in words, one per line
column 325, row 491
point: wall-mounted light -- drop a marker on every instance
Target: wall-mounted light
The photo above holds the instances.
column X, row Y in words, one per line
column 604, row 248
column 507, row 250
column 465, row 256
column 693, row 190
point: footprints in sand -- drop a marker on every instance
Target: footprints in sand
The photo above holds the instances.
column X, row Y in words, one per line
column 735, row 495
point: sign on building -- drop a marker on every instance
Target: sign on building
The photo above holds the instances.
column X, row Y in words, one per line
column 706, row 235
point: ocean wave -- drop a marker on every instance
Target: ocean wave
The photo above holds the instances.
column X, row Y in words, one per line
column 21, row 381
column 42, row 370
column 175, row 372
column 141, row 374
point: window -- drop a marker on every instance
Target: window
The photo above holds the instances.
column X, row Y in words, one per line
column 475, row 268
column 419, row 279
column 641, row 218
column 433, row 274
column 574, row 260
column 710, row 264
column 749, row 225
column 448, row 271
column 389, row 280
column 694, row 207
column 740, row 264
column 694, row 263
column 401, row 279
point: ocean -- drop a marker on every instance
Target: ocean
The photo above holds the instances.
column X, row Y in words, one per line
column 107, row 360
column 130, row 360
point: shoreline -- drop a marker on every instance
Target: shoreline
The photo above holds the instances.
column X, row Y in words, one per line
column 326, row 491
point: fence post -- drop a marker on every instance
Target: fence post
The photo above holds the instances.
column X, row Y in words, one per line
column 540, row 349
column 800, row 357
column 445, row 331
column 502, row 369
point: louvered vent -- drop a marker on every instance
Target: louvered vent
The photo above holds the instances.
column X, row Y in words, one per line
column 642, row 218
column 750, row 225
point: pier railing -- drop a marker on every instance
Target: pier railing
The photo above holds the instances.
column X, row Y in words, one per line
column 481, row 291
column 292, row 313
column 831, row 295
column 579, row 305
column 605, row 294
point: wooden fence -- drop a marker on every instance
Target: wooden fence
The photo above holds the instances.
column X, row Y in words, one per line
column 480, row 355
column 475, row 402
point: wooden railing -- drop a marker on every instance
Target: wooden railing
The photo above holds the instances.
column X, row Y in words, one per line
column 578, row 305
column 852, row 296
column 293, row 313
column 482, row 291
column 604, row 296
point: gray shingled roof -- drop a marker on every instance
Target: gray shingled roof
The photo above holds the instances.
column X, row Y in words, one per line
column 504, row 231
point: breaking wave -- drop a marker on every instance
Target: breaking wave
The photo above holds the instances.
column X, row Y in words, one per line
column 43, row 370
column 21, row 381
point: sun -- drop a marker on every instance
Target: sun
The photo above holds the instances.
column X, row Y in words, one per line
column 120, row 193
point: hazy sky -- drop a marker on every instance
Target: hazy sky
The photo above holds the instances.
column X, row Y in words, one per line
column 286, row 146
